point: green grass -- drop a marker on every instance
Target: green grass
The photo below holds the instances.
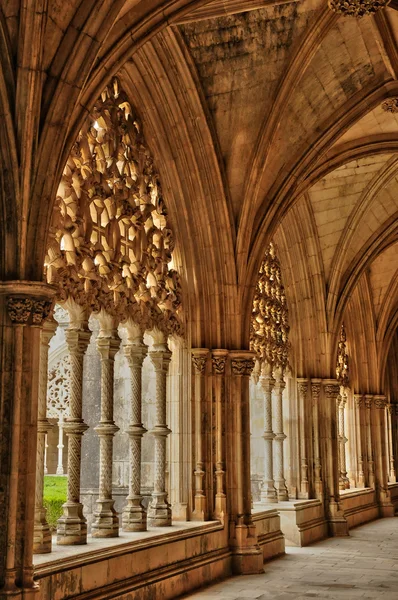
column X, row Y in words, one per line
column 54, row 497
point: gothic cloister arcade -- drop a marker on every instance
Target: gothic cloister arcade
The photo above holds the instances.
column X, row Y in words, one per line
column 199, row 286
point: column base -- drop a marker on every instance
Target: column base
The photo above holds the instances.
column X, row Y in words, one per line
column 269, row 494
column 220, row 508
column 159, row 512
column 337, row 523
column 247, row 556
column 386, row 507
column 42, row 534
column 134, row 517
column 281, row 491
column 105, row 522
column 200, row 510
column 72, row 526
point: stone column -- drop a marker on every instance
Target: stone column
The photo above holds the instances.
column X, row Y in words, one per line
column 60, row 446
column 381, row 462
column 219, row 358
column 369, row 444
column 329, row 445
column 392, row 473
column 360, row 441
column 201, row 420
column 72, row 526
column 134, row 514
column 24, row 306
column 302, row 388
column 247, row 556
column 315, row 392
column 159, row 511
column 105, row 520
column 42, row 532
column 279, row 475
column 268, row 491
column 343, row 479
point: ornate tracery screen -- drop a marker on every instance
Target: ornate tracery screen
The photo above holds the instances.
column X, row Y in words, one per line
column 110, row 242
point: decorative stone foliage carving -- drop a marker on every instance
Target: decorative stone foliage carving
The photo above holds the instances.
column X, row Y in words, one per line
column 342, row 368
column 58, row 389
column 269, row 325
column 23, row 310
column 357, row 8
column 110, row 241
column 242, row 366
column 390, row 105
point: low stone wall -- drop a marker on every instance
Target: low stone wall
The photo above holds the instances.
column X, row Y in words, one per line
column 156, row 564
column 393, row 489
column 360, row 506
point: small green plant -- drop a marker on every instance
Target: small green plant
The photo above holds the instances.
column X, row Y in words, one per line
column 54, row 497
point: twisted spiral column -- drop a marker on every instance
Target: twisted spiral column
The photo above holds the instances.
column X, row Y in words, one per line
column 199, row 361
column 268, row 491
column 359, row 404
column 302, row 386
column 392, row 473
column 72, row 525
column 344, row 482
column 134, row 514
column 279, row 476
column 159, row 511
column 106, row 522
column 370, row 455
column 42, row 532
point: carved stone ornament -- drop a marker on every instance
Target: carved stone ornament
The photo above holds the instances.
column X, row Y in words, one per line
column 315, row 390
column 342, row 370
column 380, row 401
column 199, row 363
column 357, row 8
column 41, row 311
column 390, row 105
column 19, row 309
column 269, row 330
column 302, row 388
column 332, row 391
column 359, row 400
column 242, row 366
column 218, row 363
column 58, row 387
column 110, row 243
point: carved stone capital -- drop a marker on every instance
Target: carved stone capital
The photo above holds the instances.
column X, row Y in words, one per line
column 218, row 360
column 108, row 346
column 135, row 354
column 242, row 362
column 315, row 389
column 331, row 389
column 380, row 401
column 160, row 359
column 368, row 401
column 199, row 359
column 359, row 400
column 390, row 105
column 302, row 388
column 77, row 340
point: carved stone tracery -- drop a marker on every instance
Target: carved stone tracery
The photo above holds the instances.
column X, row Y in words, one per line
column 110, row 240
column 357, row 8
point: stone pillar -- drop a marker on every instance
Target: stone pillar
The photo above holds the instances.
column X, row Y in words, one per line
column 302, row 388
column 381, row 463
column 60, row 446
column 360, row 430
column 247, row 556
column 201, row 420
column 329, row 453
column 392, row 473
column 315, row 392
column 369, row 444
column 219, row 358
column 105, row 520
column 341, row 405
column 159, row 511
column 134, row 514
column 24, row 305
column 42, row 532
column 72, row 525
column 268, row 491
column 278, row 468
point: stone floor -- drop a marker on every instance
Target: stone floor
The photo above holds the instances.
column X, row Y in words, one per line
column 363, row 565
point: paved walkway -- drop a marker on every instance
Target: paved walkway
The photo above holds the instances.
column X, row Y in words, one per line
column 363, row 565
